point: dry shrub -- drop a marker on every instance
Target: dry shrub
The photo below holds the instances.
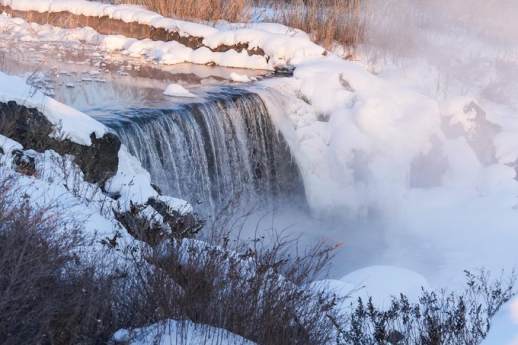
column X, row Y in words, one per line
column 260, row 294
column 47, row 296
column 206, row 10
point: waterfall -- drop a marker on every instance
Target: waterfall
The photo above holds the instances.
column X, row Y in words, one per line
column 213, row 151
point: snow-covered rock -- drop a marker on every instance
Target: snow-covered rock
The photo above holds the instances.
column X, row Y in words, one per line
column 177, row 90
column 77, row 126
column 241, row 78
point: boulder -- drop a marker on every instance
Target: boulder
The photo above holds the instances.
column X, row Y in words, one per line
column 24, row 162
column 156, row 221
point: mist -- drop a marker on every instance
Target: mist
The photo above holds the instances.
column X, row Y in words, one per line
column 454, row 205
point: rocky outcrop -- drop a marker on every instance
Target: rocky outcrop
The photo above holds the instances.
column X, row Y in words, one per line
column 157, row 221
column 33, row 130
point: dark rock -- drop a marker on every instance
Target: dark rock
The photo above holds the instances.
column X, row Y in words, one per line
column 24, row 163
column 181, row 225
column 141, row 227
column 156, row 188
column 395, row 338
column 174, row 225
column 284, row 71
column 32, row 129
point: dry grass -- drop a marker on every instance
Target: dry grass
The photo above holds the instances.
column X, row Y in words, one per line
column 327, row 21
column 206, row 10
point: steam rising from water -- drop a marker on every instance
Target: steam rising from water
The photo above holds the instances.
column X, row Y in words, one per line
column 471, row 46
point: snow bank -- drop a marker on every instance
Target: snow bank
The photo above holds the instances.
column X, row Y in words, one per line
column 504, row 330
column 280, row 45
column 280, row 48
column 166, row 53
column 346, row 133
column 126, row 13
column 173, row 332
column 384, row 282
column 58, row 183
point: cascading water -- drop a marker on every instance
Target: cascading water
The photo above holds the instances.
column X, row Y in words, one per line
column 211, row 152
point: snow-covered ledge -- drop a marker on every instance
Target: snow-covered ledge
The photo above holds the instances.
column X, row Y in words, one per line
column 257, row 46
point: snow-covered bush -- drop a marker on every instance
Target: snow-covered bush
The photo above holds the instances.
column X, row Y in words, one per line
column 438, row 318
column 47, row 294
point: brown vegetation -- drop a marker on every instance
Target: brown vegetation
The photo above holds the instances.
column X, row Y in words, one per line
column 327, row 21
column 207, row 10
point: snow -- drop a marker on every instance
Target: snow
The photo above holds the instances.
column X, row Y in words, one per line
column 131, row 181
column 76, row 125
column 281, row 45
column 241, row 78
column 504, row 329
column 121, row 336
column 58, row 183
column 172, row 332
column 178, row 205
column 9, row 145
column 126, row 13
column 384, row 282
column 166, row 53
column 177, row 90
